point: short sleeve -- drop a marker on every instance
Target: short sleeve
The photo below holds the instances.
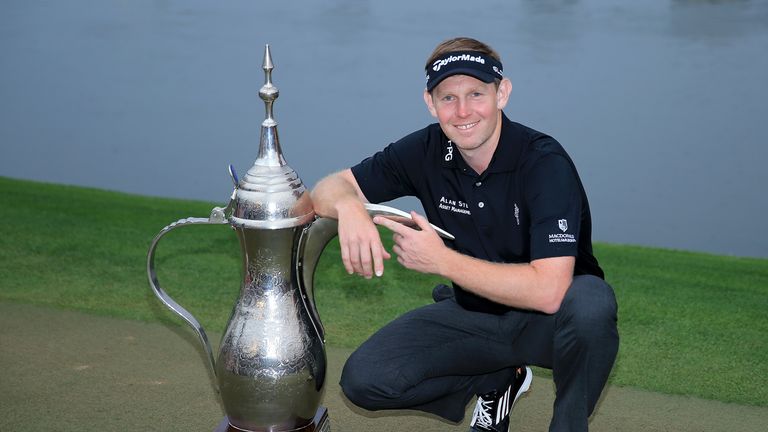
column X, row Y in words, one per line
column 553, row 196
column 393, row 172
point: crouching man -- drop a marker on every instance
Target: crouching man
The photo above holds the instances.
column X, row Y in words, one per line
column 526, row 288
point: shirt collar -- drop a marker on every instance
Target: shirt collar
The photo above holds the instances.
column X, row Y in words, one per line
column 504, row 159
column 510, row 148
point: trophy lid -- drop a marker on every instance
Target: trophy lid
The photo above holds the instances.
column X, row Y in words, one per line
column 271, row 195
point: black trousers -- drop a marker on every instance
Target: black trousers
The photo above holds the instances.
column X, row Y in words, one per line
column 438, row 357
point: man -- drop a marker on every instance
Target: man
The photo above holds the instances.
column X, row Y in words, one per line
column 526, row 288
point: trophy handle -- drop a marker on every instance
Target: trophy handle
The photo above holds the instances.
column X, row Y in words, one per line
column 314, row 239
column 317, row 236
column 216, row 218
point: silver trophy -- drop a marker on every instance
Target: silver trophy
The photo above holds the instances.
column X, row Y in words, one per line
column 271, row 364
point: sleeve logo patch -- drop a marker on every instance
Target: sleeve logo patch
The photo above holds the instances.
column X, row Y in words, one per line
column 562, row 237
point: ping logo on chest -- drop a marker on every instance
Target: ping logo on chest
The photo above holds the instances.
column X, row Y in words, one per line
column 454, row 205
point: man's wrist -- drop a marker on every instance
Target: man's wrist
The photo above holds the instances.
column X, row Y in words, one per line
column 350, row 204
column 447, row 263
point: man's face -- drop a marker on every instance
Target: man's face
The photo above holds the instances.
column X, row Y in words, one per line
column 469, row 111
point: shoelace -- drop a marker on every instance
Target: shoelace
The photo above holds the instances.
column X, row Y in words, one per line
column 482, row 415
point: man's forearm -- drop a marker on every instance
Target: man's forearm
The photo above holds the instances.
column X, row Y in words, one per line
column 338, row 196
column 333, row 191
column 540, row 285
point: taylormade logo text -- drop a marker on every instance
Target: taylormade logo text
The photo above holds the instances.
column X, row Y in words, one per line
column 463, row 57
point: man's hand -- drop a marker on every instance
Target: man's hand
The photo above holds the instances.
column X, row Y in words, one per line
column 419, row 250
column 361, row 249
column 338, row 196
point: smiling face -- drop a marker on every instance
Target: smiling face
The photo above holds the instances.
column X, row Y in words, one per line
column 469, row 113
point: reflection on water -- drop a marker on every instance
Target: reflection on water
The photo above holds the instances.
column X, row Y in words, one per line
column 714, row 20
column 660, row 103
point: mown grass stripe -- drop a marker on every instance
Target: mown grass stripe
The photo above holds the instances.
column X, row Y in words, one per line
column 690, row 323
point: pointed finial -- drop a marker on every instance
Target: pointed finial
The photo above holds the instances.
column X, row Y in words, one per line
column 271, row 195
column 268, row 92
column 269, row 146
column 267, row 58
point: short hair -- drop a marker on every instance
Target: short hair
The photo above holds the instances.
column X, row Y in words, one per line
column 461, row 44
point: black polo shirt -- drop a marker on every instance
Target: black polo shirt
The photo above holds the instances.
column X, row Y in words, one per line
column 528, row 204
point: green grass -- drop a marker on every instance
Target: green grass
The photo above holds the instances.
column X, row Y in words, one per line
column 690, row 323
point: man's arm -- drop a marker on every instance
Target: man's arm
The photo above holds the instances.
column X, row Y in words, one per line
column 339, row 196
column 540, row 285
column 337, row 188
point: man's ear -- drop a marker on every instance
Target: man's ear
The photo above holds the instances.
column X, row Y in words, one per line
column 430, row 103
column 502, row 94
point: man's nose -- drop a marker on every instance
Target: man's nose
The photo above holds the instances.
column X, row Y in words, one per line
column 462, row 109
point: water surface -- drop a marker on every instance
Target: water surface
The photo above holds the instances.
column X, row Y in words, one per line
column 662, row 104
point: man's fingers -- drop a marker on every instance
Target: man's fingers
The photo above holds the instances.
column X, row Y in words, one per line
column 366, row 262
column 345, row 258
column 391, row 225
column 354, row 258
column 398, row 251
column 421, row 221
column 379, row 254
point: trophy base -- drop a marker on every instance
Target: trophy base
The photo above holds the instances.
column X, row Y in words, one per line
column 319, row 424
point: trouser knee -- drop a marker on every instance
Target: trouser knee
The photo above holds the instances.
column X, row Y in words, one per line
column 589, row 310
column 362, row 385
column 354, row 384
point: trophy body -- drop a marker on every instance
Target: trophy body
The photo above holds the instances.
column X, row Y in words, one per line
column 271, row 363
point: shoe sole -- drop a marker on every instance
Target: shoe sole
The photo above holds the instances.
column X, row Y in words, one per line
column 526, row 384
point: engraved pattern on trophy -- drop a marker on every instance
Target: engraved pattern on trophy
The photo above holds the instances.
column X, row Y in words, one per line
column 270, row 357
